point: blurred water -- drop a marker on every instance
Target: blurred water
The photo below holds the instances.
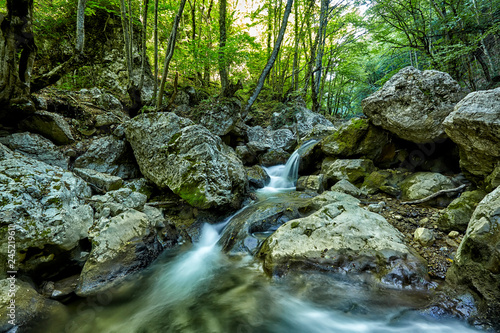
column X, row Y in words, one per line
column 203, row 290
column 284, row 177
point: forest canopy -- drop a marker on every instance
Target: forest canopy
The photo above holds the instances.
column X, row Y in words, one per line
column 334, row 53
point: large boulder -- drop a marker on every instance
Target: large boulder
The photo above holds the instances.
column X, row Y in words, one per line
column 111, row 155
column 413, row 104
column 354, row 170
column 126, row 237
column 422, row 184
column 51, row 125
column 342, row 237
column 356, row 138
column 475, row 126
column 48, row 207
column 174, row 153
column 477, row 262
column 36, row 147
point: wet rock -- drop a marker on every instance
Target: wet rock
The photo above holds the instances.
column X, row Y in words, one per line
column 29, row 307
column 458, row 213
column 315, row 183
column 413, row 104
column 356, row 138
column 36, row 147
column 422, row 184
column 48, row 207
column 247, row 230
column 99, row 180
column 274, row 157
column 110, row 155
column 344, row 186
column 475, row 126
column 342, row 237
column 424, row 236
column 50, row 125
column 245, row 155
column 353, row 170
column 188, row 159
column 477, row 262
column 121, row 245
column 257, row 177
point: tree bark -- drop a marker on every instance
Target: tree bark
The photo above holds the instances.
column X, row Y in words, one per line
column 144, row 37
column 156, row 51
column 272, row 58
column 80, row 26
column 170, row 52
column 16, row 37
column 224, row 81
column 316, row 82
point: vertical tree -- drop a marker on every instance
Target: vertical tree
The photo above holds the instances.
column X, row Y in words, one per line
column 16, row 37
column 170, row 52
column 272, row 58
column 224, row 81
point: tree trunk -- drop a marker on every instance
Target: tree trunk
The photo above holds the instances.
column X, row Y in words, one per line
column 170, row 52
column 224, row 81
column 16, row 36
column 156, row 51
column 144, row 37
column 80, row 26
column 272, row 58
column 316, row 82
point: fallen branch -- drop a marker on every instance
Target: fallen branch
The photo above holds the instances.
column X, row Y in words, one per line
column 162, row 203
column 432, row 196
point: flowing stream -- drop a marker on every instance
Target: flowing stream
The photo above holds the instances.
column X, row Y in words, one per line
column 201, row 289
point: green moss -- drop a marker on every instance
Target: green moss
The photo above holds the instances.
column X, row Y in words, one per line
column 294, row 224
column 54, row 201
column 192, row 195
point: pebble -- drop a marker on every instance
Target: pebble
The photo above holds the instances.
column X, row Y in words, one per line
column 398, row 217
column 453, row 234
column 376, row 208
column 451, row 242
column 424, row 236
column 424, row 221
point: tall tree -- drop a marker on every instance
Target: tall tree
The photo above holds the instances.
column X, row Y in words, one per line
column 16, row 37
column 224, row 81
column 170, row 52
column 272, row 58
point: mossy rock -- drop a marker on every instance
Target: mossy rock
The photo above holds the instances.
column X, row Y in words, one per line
column 457, row 215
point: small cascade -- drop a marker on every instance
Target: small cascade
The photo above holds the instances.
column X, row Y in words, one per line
column 284, row 177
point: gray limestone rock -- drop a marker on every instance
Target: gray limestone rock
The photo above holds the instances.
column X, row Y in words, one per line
column 413, row 104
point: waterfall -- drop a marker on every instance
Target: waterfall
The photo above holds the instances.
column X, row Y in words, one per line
column 284, row 177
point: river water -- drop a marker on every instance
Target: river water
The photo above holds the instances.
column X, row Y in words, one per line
column 201, row 289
